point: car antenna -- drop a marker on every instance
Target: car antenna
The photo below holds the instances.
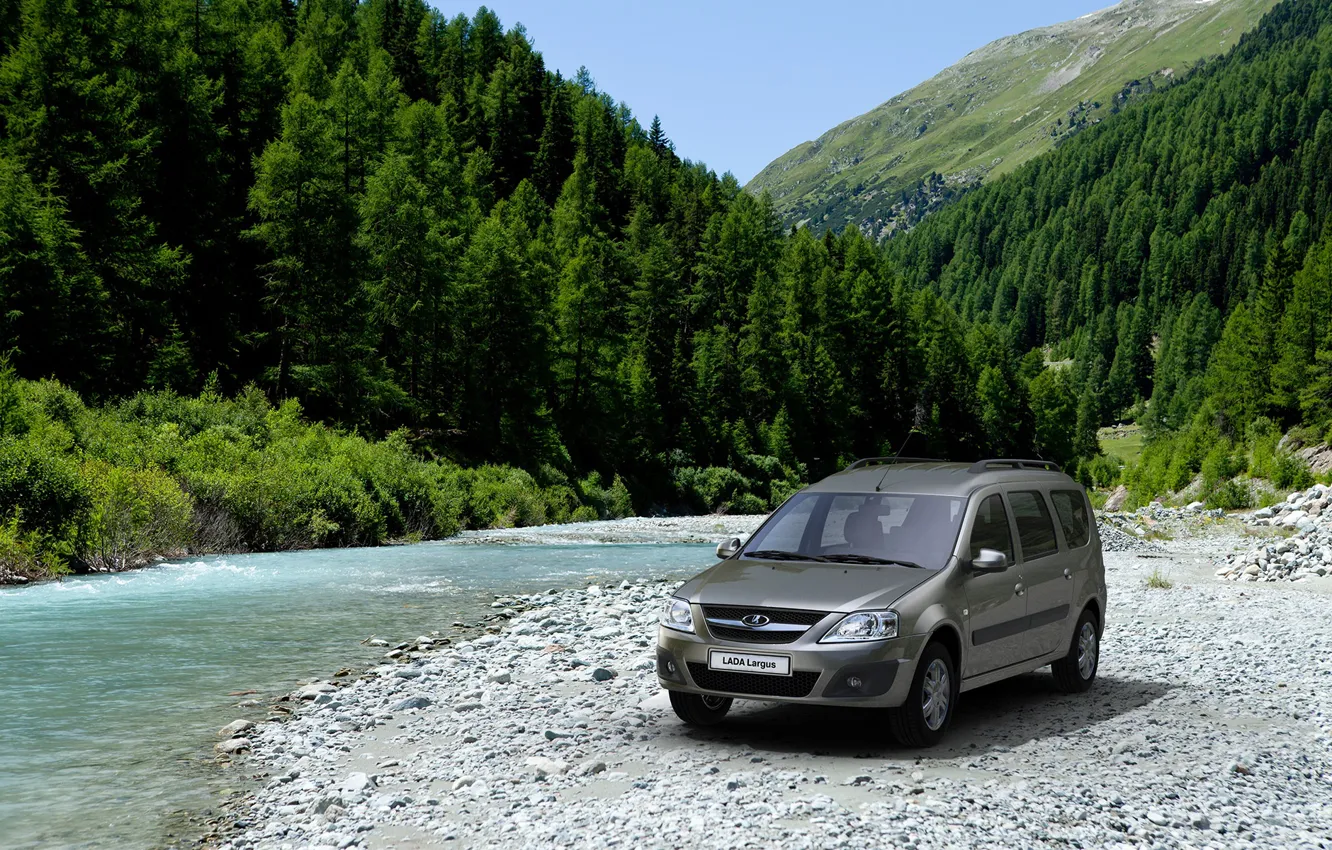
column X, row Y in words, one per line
column 878, row 487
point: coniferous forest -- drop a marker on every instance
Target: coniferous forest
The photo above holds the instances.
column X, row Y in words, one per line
column 222, row 220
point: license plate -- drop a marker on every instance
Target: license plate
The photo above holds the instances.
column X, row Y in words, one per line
column 746, row 662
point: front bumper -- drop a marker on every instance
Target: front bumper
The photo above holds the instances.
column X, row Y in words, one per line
column 820, row 673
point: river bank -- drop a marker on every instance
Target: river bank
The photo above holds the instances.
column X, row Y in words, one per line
column 551, row 730
column 114, row 683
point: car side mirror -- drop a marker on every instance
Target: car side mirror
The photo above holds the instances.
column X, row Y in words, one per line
column 728, row 548
column 990, row 561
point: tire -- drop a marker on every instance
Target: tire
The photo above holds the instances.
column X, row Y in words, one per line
column 1076, row 671
column 922, row 721
column 699, row 710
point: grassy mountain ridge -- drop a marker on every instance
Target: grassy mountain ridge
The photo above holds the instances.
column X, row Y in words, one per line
column 995, row 109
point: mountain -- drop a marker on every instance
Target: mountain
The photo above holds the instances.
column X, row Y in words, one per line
column 997, row 108
column 1179, row 254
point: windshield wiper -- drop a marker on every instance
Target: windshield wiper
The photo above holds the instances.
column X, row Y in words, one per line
column 851, row 558
column 781, row 555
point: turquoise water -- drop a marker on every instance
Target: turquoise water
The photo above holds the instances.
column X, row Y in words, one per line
column 111, row 687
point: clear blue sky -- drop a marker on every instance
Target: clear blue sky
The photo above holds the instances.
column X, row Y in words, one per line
column 737, row 83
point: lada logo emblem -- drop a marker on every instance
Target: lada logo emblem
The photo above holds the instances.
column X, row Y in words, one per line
column 755, row 621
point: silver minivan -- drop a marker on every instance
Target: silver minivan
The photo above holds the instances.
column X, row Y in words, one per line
column 898, row 583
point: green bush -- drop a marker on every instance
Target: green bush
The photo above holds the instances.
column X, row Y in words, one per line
column 584, row 513
column 1230, row 495
column 1290, row 472
column 711, row 489
column 1219, row 465
column 44, row 487
column 1103, row 470
column 161, row 473
column 502, row 497
column 136, row 515
column 28, row 553
column 619, row 502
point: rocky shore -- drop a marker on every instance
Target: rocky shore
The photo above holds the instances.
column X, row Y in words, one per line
column 1301, row 549
column 550, row 730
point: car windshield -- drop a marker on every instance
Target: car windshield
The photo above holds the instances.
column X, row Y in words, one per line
column 861, row 528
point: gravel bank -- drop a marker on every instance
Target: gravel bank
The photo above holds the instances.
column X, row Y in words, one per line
column 687, row 529
column 1305, row 555
column 1210, row 726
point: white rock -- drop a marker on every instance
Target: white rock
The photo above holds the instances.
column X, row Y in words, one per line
column 544, row 767
column 234, row 728
column 357, row 782
column 232, row 746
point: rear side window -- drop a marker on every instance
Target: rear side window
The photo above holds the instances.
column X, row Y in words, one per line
column 1035, row 527
column 1072, row 510
column 990, row 531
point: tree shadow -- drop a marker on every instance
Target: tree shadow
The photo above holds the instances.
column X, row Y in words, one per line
column 995, row 717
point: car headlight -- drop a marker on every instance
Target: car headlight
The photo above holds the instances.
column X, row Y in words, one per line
column 865, row 625
column 677, row 615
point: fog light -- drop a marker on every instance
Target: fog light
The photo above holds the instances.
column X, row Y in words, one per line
column 670, row 667
column 854, row 682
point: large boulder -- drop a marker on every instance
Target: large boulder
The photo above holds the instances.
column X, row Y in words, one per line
column 1117, row 498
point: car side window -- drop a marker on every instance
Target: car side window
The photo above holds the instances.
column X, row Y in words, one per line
column 1035, row 526
column 990, row 530
column 1071, row 507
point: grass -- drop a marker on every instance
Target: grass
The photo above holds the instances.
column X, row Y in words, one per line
column 993, row 111
column 1127, row 447
column 1157, row 581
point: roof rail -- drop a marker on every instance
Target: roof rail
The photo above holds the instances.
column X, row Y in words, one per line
column 1013, row 463
column 880, row 461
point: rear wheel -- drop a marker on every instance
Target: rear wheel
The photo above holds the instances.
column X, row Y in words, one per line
column 1075, row 672
column 700, row 709
column 923, row 719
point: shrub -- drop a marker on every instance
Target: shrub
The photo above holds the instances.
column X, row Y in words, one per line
column 28, row 553
column 1290, row 472
column 584, row 513
column 1230, row 495
column 710, row 489
column 619, row 503
column 1219, row 465
column 1103, row 470
column 502, row 497
column 137, row 514
column 44, row 487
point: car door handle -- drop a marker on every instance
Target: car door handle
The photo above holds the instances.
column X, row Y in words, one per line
column 1067, row 574
column 1019, row 589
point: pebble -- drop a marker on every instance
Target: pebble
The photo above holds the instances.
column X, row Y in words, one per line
column 233, row 746
column 1185, row 741
column 411, row 702
column 1306, row 555
column 235, row 728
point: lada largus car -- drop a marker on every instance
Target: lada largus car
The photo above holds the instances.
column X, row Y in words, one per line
column 898, row 583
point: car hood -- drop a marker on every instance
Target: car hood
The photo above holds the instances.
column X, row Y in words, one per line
column 804, row 586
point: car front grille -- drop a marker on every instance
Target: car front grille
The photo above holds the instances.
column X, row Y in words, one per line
column 798, row 684
column 776, row 615
column 748, row 636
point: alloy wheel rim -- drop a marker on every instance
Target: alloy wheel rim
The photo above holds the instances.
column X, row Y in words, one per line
column 935, row 694
column 713, row 703
column 1087, row 651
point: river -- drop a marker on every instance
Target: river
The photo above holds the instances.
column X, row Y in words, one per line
column 112, row 686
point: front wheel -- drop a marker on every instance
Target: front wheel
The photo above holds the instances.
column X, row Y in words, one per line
column 699, row 709
column 923, row 719
column 1075, row 672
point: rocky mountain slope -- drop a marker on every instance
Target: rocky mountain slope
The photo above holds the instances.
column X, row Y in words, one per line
column 998, row 107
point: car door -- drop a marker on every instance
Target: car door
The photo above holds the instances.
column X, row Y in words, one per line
column 1046, row 570
column 996, row 605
